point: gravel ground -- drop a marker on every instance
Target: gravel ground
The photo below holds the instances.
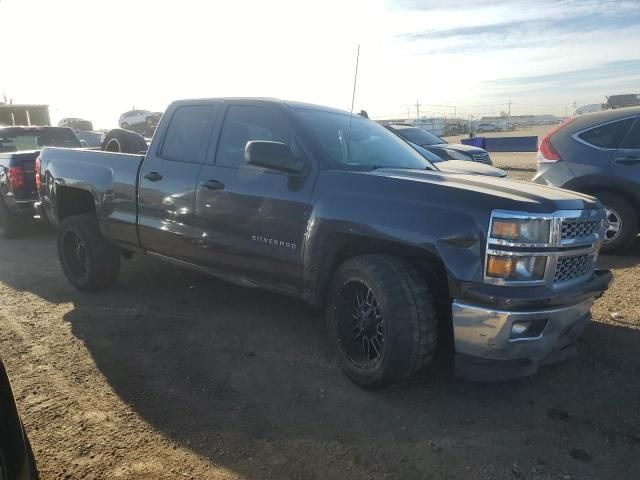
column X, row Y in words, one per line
column 174, row 375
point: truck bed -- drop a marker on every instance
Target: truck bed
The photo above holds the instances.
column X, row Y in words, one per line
column 112, row 178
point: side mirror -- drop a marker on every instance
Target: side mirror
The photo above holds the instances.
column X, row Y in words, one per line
column 273, row 155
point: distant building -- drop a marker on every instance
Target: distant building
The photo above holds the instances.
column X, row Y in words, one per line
column 16, row 114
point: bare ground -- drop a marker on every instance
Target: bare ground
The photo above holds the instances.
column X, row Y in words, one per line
column 176, row 375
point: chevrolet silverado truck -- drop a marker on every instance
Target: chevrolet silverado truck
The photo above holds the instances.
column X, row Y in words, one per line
column 19, row 148
column 334, row 209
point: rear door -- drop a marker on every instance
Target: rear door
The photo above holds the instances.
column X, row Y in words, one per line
column 254, row 219
column 625, row 164
column 168, row 178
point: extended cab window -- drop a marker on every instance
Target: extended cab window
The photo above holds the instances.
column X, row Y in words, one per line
column 609, row 135
column 187, row 134
column 244, row 123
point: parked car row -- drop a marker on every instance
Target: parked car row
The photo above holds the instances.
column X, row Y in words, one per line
column 436, row 145
column 19, row 148
column 326, row 206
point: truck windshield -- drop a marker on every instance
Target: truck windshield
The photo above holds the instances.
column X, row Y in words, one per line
column 16, row 139
column 419, row 136
column 368, row 145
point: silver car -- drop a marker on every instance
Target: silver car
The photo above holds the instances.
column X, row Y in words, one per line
column 599, row 154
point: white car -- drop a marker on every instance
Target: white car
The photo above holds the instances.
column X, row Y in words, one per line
column 137, row 118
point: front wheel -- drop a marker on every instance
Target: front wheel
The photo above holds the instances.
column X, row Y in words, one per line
column 89, row 261
column 382, row 319
column 622, row 223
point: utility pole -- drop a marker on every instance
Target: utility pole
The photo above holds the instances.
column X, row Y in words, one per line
column 418, row 112
column 575, row 105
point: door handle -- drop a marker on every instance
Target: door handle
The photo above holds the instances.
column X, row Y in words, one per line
column 212, row 185
column 153, row 176
column 627, row 160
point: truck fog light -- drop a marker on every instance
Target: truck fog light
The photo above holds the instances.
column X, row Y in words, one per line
column 527, row 328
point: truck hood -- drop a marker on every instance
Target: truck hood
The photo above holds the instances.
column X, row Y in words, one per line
column 471, row 168
column 459, row 147
column 497, row 192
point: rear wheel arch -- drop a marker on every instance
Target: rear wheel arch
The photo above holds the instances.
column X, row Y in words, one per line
column 71, row 201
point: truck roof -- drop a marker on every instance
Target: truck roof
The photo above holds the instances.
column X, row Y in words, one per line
column 288, row 103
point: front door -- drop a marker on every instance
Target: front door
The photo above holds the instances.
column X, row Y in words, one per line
column 168, row 182
column 254, row 219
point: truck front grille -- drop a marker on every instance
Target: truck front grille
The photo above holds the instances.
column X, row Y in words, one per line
column 576, row 229
column 481, row 157
column 570, row 268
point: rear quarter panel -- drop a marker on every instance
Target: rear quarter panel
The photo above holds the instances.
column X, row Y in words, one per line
column 110, row 178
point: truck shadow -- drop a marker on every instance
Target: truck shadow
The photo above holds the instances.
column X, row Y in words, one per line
column 626, row 259
column 248, row 380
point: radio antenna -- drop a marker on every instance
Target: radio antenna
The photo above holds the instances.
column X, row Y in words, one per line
column 353, row 98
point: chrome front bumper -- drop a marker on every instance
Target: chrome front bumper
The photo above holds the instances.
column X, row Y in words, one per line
column 486, row 350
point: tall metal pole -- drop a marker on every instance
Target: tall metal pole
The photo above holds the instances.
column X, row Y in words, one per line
column 353, row 98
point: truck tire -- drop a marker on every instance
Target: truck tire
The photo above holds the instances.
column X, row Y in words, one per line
column 11, row 224
column 124, row 141
column 623, row 223
column 382, row 320
column 89, row 261
column 31, row 459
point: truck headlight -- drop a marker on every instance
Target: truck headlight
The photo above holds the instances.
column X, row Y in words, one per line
column 516, row 267
column 523, row 230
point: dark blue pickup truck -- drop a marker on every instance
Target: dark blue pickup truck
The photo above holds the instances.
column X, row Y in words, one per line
column 19, row 148
column 337, row 210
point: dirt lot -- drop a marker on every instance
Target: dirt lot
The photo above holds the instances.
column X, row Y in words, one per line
column 176, row 375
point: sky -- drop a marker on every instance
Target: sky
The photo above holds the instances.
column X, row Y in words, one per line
column 96, row 59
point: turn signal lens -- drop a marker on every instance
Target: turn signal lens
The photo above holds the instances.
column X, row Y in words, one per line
column 516, row 268
column 500, row 267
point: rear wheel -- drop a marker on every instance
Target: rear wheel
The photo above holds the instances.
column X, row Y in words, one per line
column 622, row 222
column 382, row 319
column 89, row 261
